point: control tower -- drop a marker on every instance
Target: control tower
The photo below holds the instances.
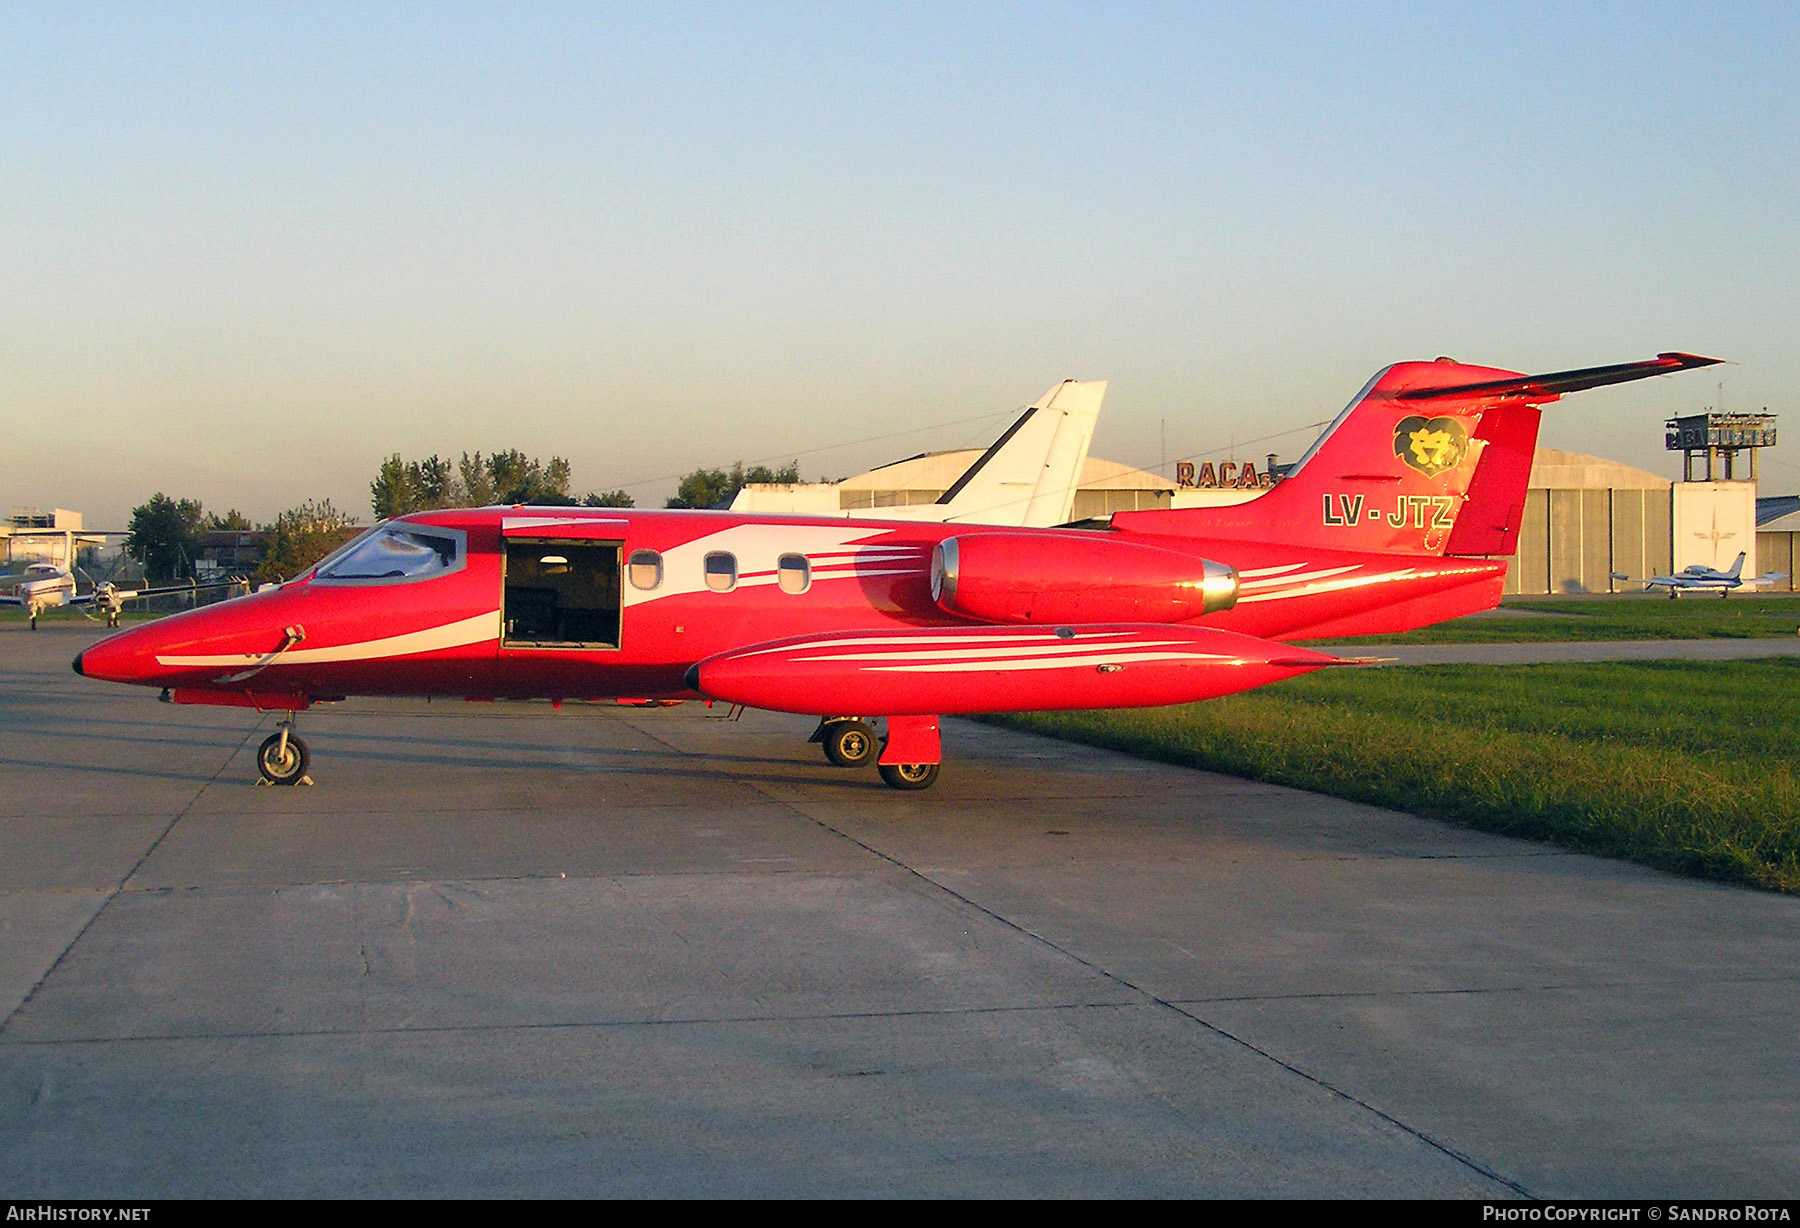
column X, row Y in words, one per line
column 1718, row 438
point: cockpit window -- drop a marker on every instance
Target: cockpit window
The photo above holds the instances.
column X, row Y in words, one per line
column 395, row 553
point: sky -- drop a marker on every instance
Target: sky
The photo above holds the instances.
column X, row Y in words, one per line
column 247, row 251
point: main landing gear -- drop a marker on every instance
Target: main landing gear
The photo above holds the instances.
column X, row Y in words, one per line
column 909, row 759
column 849, row 741
column 909, row 775
column 283, row 758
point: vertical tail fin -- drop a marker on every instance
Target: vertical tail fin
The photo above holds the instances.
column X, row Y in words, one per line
column 1029, row 475
column 1430, row 458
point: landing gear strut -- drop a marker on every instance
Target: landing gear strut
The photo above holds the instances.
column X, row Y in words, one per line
column 283, row 758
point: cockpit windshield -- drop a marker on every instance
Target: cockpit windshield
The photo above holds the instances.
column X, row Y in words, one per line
column 397, row 552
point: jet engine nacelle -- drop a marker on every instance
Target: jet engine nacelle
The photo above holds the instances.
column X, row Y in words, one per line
column 1035, row 578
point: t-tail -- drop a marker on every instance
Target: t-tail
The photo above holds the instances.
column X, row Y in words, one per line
column 1430, row 458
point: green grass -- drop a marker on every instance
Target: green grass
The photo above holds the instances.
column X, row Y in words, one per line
column 1685, row 766
column 1619, row 617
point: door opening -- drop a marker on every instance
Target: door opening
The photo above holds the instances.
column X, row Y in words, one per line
column 561, row 593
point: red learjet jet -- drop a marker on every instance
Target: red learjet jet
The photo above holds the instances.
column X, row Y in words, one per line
column 1401, row 514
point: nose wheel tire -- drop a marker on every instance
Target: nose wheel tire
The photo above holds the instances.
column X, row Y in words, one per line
column 909, row 775
column 849, row 743
column 281, row 765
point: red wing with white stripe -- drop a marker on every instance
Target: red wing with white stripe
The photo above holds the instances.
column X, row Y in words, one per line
column 960, row 670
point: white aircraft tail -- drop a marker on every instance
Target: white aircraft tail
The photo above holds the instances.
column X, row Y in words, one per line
column 1737, row 567
column 1028, row 477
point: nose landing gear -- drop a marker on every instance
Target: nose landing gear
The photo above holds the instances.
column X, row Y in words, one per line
column 283, row 758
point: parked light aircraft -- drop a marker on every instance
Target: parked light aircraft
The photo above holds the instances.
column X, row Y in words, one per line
column 1401, row 514
column 1701, row 578
column 1027, row 478
column 50, row 586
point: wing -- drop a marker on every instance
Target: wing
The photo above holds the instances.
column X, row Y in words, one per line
column 126, row 594
column 958, row 670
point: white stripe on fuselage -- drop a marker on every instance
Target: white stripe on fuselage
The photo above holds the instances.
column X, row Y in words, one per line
column 1112, row 658
column 479, row 629
column 1330, row 586
column 759, row 547
column 1044, row 652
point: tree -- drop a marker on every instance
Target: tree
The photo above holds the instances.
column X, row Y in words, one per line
column 392, row 493
column 412, row 486
column 300, row 537
column 517, row 478
column 165, row 536
column 716, row 487
column 608, row 498
column 403, row 486
column 233, row 521
column 475, row 486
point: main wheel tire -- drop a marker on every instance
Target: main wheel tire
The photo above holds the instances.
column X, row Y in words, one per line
column 849, row 743
column 282, row 769
column 909, row 775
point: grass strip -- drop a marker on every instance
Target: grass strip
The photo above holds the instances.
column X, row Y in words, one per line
column 1621, row 617
column 1685, row 766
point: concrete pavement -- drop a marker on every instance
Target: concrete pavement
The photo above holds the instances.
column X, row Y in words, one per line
column 501, row 950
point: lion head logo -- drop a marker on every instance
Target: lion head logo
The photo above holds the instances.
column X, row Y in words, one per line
column 1431, row 445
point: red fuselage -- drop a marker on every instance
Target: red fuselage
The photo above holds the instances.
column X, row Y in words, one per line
column 688, row 586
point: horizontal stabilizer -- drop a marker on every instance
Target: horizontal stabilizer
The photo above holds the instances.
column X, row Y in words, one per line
column 1548, row 387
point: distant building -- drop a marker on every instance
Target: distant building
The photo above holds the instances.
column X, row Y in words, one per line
column 231, row 552
column 36, row 536
column 1106, row 487
column 1777, row 527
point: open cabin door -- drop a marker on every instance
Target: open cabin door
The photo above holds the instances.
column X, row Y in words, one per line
column 561, row 584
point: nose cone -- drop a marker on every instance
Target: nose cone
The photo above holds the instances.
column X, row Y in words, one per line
column 190, row 649
column 118, row 658
column 132, row 656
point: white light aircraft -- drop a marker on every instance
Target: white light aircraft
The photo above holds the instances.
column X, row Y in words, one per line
column 1698, row 577
column 50, row 586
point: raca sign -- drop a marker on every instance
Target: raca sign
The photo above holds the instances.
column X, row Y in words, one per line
column 1227, row 475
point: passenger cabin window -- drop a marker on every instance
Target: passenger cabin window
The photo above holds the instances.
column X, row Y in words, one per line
column 793, row 573
column 561, row 594
column 721, row 571
column 646, row 569
column 396, row 552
